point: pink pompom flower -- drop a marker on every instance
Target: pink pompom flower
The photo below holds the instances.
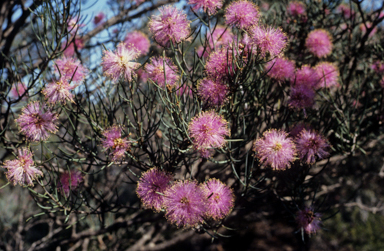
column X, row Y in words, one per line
column 275, row 149
column 207, row 130
column 268, row 40
column 305, row 76
column 319, row 43
column 209, row 6
column 151, row 187
column 310, row 144
column 213, row 92
column 328, row 75
column 71, row 69
column 119, row 63
column 69, row 181
column 78, row 43
column 37, row 122
column 218, row 63
column 58, row 92
column 139, row 40
column 171, row 25
column 242, row 14
column 114, row 141
column 301, row 97
column 98, row 18
column 280, row 69
column 308, row 220
column 296, row 8
column 156, row 70
column 22, row 169
column 220, row 199
column 185, row 204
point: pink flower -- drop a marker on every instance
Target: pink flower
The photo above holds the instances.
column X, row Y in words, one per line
column 310, row 144
column 209, row 6
column 296, row 8
column 185, row 203
column 217, row 64
column 378, row 67
column 319, row 43
column 71, row 69
column 156, row 70
column 275, row 149
column 301, row 97
column 70, row 50
column 212, row 92
column 58, row 92
column 280, row 69
column 37, row 123
column 308, row 220
column 170, row 25
column 242, row 14
column 69, row 181
column 22, row 169
column 139, row 40
column 119, row 63
column 113, row 140
column 306, row 76
column 220, row 199
column 208, row 130
column 328, row 75
column 98, row 18
column 151, row 188
column 268, row 40
column 18, row 90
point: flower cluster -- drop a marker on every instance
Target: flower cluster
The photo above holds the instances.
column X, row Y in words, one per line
column 209, row 6
column 308, row 220
column 69, row 181
column 319, row 43
column 70, row 69
column 242, row 14
column 113, row 140
column 310, row 144
column 58, row 92
column 214, row 92
column 162, row 71
column 138, row 40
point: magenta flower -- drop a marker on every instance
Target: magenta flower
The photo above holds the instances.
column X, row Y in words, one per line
column 242, row 14
column 98, row 18
column 296, row 8
column 209, row 6
column 18, row 90
column 22, row 169
column 301, row 97
column 212, row 92
column 71, row 69
column 319, row 43
column 208, row 130
column 268, row 40
column 275, row 149
column 119, row 63
column 113, row 141
column 151, row 188
column 308, row 220
column 156, row 70
column 220, row 199
column 280, row 69
column 70, row 50
column 306, row 76
column 171, row 25
column 217, row 64
column 69, row 181
column 328, row 75
column 58, row 92
column 310, row 144
column 36, row 122
column 139, row 40
column 185, row 203
column 378, row 67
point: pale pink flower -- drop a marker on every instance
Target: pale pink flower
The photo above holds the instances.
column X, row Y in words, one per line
column 328, row 75
column 214, row 92
column 113, row 140
column 139, row 40
column 296, row 8
column 220, row 199
column 71, row 69
column 69, row 181
column 308, row 220
column 185, row 204
column 319, row 43
column 22, row 169
column 70, row 50
column 156, row 70
column 151, row 187
column 275, row 149
column 171, row 25
column 310, row 144
column 280, row 69
column 98, row 18
column 58, row 92
column 209, row 6
column 118, row 64
column 36, row 122
column 268, row 40
column 242, row 14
